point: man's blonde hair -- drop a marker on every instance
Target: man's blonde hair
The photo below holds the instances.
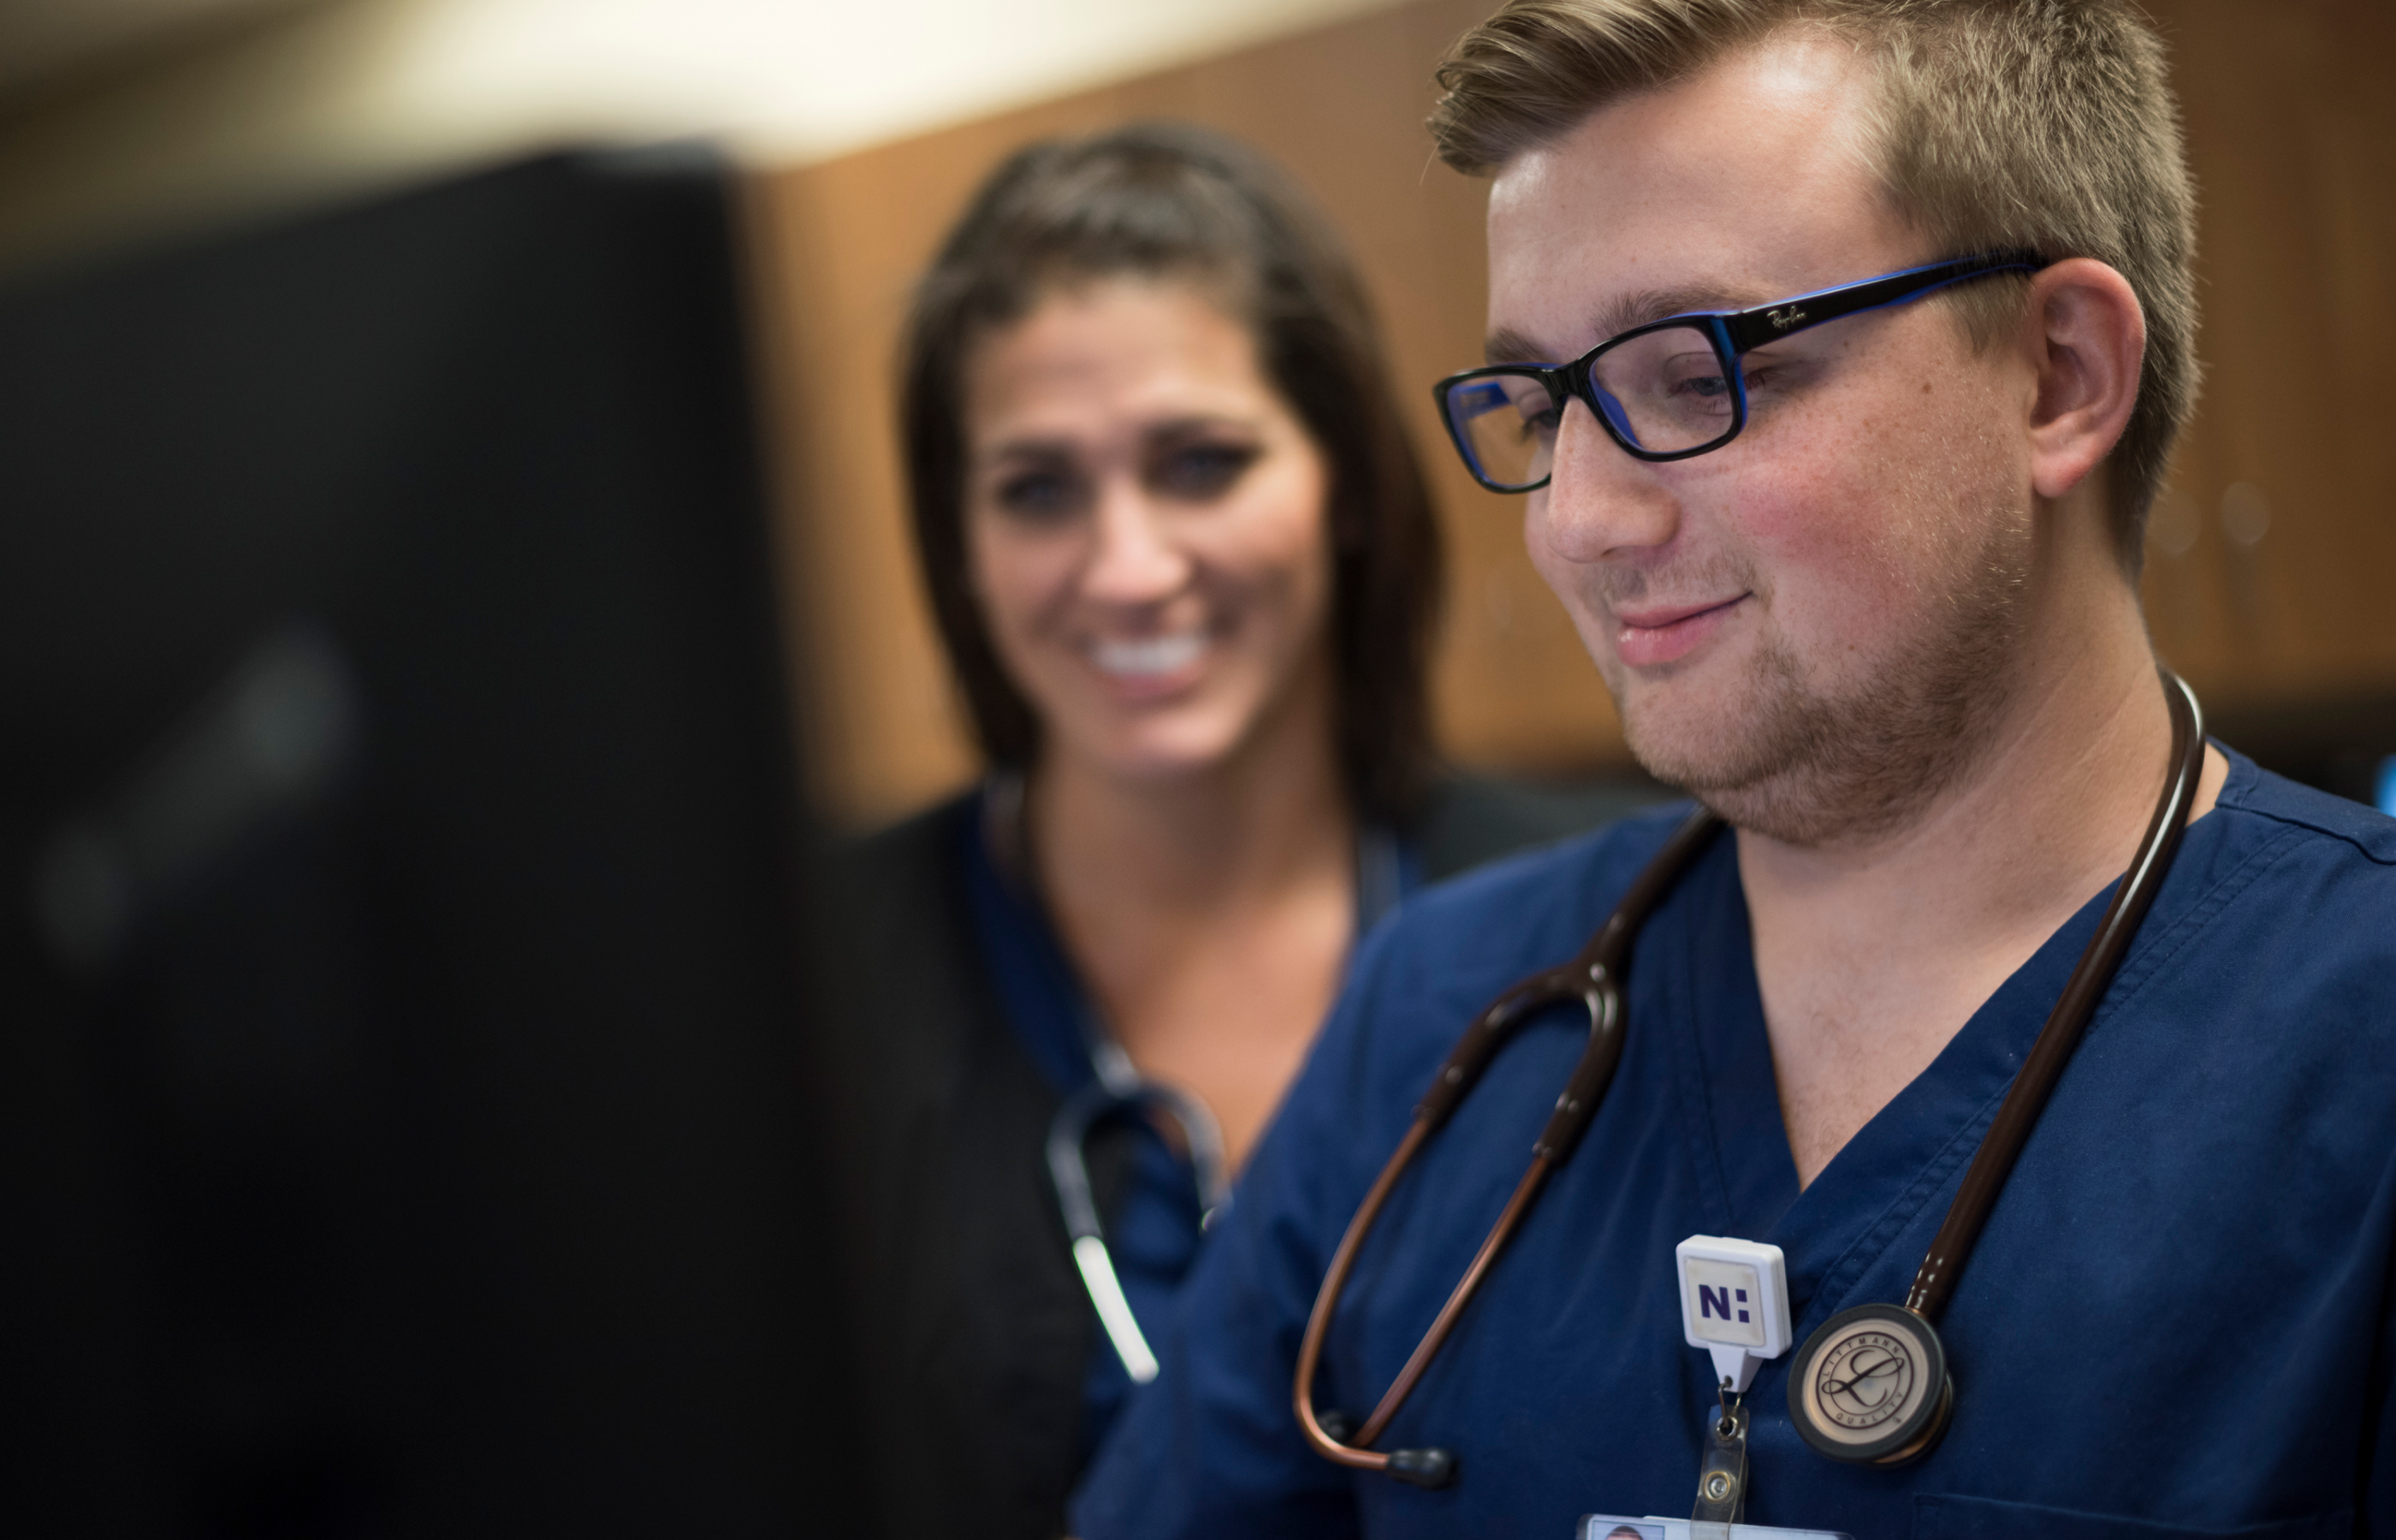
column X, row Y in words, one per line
column 2045, row 125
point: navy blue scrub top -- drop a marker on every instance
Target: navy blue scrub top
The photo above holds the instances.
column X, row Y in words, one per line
column 1153, row 1235
column 2178, row 1312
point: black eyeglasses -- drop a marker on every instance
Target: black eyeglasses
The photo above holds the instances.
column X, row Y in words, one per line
column 1670, row 389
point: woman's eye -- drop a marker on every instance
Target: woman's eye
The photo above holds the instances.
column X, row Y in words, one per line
column 1039, row 494
column 1198, row 472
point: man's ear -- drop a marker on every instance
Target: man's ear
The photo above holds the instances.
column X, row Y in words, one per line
column 2087, row 336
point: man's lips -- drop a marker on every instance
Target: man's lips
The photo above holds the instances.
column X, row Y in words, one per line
column 1666, row 633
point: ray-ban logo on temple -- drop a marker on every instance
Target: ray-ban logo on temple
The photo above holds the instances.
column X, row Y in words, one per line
column 1783, row 319
column 1717, row 1302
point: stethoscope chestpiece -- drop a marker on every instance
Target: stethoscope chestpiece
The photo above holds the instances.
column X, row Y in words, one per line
column 1871, row 1387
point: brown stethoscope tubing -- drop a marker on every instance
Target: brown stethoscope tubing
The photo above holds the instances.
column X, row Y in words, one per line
column 1593, row 978
column 2018, row 1114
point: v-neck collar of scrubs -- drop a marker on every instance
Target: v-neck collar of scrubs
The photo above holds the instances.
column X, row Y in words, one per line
column 2184, row 1280
column 1153, row 1228
column 1040, row 991
column 1911, row 1151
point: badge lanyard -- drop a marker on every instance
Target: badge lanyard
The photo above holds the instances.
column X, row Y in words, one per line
column 1734, row 1304
column 1872, row 1385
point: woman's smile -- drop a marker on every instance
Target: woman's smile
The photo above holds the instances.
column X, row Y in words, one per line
column 1146, row 518
column 1150, row 661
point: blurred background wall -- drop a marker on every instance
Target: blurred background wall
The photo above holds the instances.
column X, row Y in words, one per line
column 2271, row 571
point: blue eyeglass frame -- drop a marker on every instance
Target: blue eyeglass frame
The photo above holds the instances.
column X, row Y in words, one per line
column 1733, row 332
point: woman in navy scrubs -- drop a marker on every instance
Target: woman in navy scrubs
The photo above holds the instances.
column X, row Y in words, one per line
column 1185, row 565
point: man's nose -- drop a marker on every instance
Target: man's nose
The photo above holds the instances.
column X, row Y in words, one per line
column 1601, row 502
column 1136, row 560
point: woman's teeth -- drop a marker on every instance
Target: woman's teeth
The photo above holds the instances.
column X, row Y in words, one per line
column 1150, row 655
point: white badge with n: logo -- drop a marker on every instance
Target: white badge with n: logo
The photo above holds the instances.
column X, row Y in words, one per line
column 1734, row 1304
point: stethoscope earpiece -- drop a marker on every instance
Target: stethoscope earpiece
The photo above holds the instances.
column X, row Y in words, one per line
column 1429, row 1468
column 1424, row 1467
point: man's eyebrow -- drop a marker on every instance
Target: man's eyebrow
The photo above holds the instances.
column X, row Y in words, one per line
column 1508, row 345
column 1624, row 311
column 1636, row 310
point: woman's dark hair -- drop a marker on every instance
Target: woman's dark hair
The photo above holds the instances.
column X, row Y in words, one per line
column 1172, row 202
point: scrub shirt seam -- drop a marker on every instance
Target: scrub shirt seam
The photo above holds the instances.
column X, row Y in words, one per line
column 2138, row 970
column 1851, row 1263
column 2239, row 797
column 1848, row 1269
column 1696, row 1097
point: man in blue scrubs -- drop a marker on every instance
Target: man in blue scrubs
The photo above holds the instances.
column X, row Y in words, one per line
column 1888, row 628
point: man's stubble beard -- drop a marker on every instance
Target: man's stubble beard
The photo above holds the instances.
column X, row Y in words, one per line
column 1808, row 765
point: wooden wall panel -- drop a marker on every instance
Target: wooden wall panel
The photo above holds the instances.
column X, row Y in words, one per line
column 2294, row 141
column 2293, row 145
column 1342, row 109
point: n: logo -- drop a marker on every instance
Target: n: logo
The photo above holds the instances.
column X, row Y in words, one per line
column 1734, row 1303
column 1716, row 1302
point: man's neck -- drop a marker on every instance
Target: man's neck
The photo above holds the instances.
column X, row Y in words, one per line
column 1872, row 954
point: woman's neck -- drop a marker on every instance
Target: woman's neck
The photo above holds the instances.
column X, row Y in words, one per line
column 1210, row 915
column 1268, row 814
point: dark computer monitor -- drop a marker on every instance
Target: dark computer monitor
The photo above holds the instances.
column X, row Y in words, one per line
column 404, row 1075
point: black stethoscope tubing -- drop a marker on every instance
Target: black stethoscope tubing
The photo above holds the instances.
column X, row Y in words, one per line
column 1116, row 1088
column 1593, row 980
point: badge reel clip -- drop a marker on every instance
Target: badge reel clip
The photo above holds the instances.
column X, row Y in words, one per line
column 1734, row 1305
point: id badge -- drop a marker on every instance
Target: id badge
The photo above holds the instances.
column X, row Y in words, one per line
column 1613, row 1526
